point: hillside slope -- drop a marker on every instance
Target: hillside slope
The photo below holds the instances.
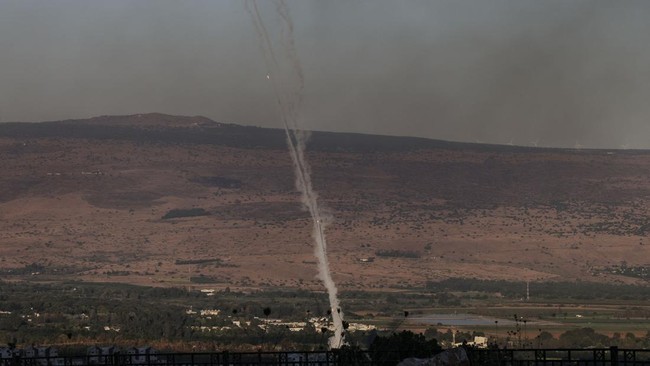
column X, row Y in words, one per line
column 168, row 200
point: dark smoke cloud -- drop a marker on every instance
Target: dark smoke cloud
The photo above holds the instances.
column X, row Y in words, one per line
column 558, row 73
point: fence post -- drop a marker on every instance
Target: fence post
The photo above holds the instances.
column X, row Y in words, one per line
column 613, row 354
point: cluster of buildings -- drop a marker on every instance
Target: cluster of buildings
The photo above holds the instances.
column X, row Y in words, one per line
column 37, row 355
column 136, row 355
column 478, row 342
column 265, row 323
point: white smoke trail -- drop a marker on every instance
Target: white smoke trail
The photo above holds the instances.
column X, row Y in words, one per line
column 289, row 97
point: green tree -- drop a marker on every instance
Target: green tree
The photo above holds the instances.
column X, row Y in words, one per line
column 584, row 337
column 398, row 346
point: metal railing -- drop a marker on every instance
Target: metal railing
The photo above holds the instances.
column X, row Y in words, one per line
column 330, row 358
column 612, row 356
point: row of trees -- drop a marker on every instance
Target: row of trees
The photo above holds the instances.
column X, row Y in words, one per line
column 543, row 290
column 588, row 337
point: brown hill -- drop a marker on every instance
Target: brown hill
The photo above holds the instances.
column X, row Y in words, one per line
column 167, row 200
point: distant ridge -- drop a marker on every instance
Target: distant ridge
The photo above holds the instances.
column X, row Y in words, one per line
column 149, row 120
column 158, row 127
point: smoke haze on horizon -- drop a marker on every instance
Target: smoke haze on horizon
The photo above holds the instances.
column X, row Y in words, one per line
column 554, row 72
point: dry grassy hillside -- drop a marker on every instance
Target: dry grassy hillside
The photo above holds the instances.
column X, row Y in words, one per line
column 165, row 200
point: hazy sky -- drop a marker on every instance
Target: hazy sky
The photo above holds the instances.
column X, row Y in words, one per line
column 559, row 73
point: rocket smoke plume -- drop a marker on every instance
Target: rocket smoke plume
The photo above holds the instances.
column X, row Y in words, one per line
column 288, row 88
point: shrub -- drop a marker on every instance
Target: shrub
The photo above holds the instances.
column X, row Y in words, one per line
column 397, row 253
column 190, row 212
column 390, row 350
